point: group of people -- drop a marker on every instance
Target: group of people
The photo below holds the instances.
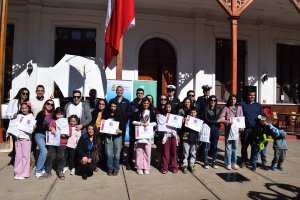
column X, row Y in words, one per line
column 85, row 147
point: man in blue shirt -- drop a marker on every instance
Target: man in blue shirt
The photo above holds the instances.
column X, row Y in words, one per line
column 251, row 110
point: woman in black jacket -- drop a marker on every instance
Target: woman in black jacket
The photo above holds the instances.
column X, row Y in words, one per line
column 210, row 117
column 88, row 152
column 113, row 143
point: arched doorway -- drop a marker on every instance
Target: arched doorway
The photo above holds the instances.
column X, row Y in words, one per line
column 157, row 61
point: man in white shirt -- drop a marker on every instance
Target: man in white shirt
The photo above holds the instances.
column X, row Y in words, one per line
column 38, row 101
column 81, row 109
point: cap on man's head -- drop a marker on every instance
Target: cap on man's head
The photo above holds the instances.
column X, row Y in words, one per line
column 262, row 118
column 206, row 87
column 171, row 87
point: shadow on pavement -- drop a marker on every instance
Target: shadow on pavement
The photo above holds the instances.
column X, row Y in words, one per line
column 279, row 191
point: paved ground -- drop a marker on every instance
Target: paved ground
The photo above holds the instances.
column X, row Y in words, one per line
column 204, row 184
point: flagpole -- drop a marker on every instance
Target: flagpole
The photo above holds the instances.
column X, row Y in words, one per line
column 120, row 61
column 3, row 22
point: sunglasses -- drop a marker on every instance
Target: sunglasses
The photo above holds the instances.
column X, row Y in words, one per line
column 25, row 93
column 191, row 95
column 49, row 104
column 163, row 99
column 213, row 100
column 76, row 97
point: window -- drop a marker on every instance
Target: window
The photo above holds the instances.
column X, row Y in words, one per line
column 288, row 70
column 75, row 41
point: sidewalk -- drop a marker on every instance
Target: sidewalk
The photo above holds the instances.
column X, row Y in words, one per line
column 204, row 184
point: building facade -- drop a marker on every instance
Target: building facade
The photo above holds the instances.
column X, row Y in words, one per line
column 186, row 43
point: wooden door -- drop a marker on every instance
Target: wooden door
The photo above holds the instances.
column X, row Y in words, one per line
column 157, row 61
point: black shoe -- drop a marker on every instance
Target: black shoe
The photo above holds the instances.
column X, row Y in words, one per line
column 243, row 165
column 128, row 167
column 84, row 176
column 265, row 168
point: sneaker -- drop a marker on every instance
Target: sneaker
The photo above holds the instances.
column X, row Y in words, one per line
column 184, row 169
column 109, row 173
column 140, row 172
column 61, row 176
column 38, row 174
column 43, row 171
column 116, row 172
column 96, row 170
column 44, row 176
column 72, row 171
column 214, row 165
column 146, row 172
column 265, row 168
column 243, row 165
column 272, row 167
column 235, row 167
column 206, row 166
column 193, row 169
column 228, row 167
column 253, row 168
column 19, row 178
column 65, row 169
column 163, row 171
column 280, row 168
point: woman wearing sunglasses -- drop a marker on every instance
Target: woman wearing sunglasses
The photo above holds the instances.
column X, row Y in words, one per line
column 211, row 116
column 14, row 106
column 43, row 120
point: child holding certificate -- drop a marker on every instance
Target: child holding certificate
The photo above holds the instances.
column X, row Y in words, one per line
column 113, row 142
column 169, row 142
column 72, row 143
column 56, row 151
column 23, row 142
column 144, row 117
column 189, row 138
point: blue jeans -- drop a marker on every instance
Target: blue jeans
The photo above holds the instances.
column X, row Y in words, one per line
column 263, row 155
column 113, row 146
column 40, row 140
column 231, row 147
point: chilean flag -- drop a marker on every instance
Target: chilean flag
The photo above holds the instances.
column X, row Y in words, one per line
column 120, row 15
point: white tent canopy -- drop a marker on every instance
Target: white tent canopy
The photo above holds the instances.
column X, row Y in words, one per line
column 78, row 73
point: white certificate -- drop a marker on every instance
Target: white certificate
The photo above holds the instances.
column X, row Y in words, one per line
column 73, row 140
column 204, row 134
column 142, row 132
column 12, row 128
column 161, row 123
column 62, row 126
column 109, row 126
column 52, row 139
column 174, row 120
column 26, row 123
column 234, row 132
column 239, row 121
column 193, row 123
